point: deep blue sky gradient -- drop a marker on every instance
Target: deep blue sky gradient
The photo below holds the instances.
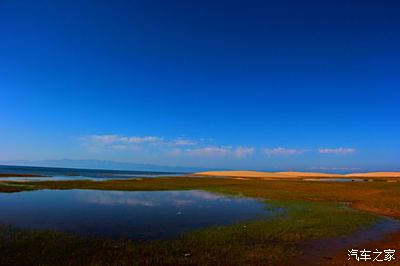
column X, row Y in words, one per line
column 301, row 75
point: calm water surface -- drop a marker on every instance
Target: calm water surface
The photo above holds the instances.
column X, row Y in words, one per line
column 121, row 214
column 58, row 174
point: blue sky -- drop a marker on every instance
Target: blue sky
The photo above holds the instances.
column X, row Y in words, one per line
column 230, row 84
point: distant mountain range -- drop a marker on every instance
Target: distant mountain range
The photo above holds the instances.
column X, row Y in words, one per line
column 106, row 165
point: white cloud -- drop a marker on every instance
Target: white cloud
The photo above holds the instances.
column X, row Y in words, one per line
column 241, row 152
column 224, row 151
column 338, row 151
column 210, row 151
column 102, row 139
column 109, row 142
column 145, row 139
column 96, row 143
column 116, row 139
column 183, row 142
column 187, row 147
column 282, row 151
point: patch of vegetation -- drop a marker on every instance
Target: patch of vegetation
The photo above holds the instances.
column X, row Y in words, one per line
column 6, row 187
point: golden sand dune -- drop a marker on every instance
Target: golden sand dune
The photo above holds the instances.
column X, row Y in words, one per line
column 294, row 175
column 308, row 174
column 256, row 174
column 239, row 174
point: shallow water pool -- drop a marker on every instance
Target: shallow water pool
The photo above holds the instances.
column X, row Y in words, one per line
column 122, row 214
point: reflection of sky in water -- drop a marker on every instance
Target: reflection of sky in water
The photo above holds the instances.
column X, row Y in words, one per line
column 136, row 215
column 152, row 199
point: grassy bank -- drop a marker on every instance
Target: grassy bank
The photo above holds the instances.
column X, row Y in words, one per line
column 313, row 210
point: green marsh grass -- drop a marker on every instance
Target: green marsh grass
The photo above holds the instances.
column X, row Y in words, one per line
column 313, row 210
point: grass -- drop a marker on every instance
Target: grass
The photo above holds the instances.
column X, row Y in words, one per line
column 313, row 210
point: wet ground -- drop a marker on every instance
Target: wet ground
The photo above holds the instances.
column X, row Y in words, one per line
column 334, row 251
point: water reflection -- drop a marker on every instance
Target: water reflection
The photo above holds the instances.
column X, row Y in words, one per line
column 121, row 214
column 152, row 199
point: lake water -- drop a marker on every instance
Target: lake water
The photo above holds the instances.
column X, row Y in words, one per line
column 121, row 214
column 58, row 174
